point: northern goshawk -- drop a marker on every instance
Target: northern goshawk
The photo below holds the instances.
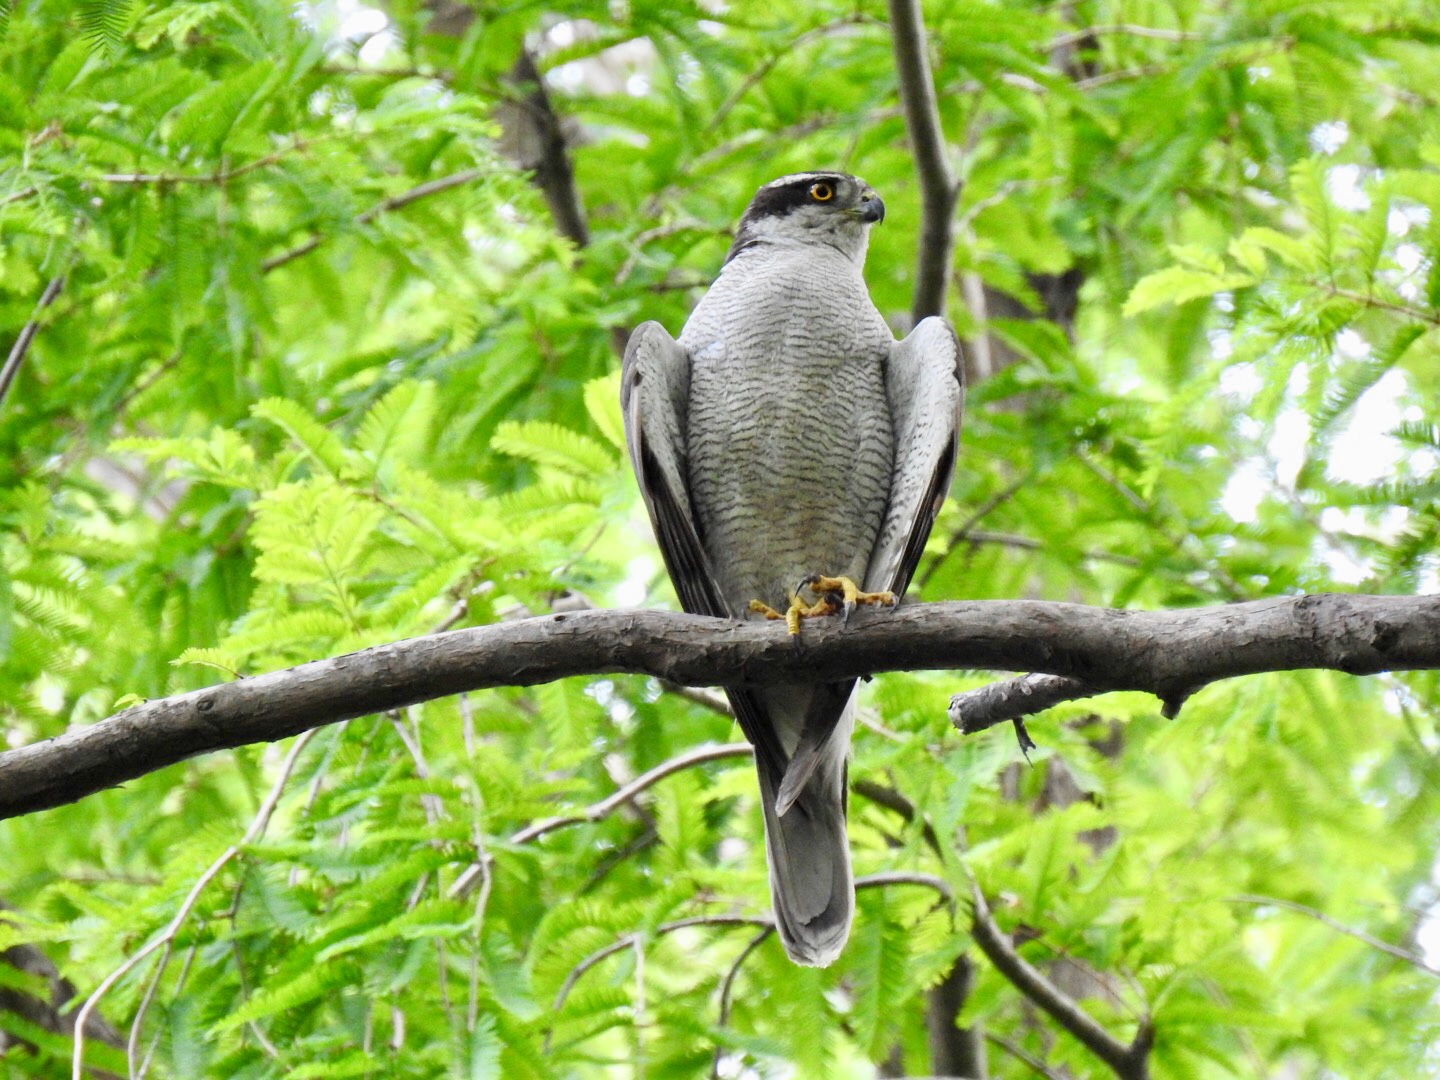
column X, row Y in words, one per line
column 784, row 436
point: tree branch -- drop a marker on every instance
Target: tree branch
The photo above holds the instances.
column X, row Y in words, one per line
column 27, row 335
column 1169, row 654
column 45, row 1007
column 1334, row 924
column 938, row 190
column 1129, row 1062
column 976, row 710
column 219, row 177
column 394, row 202
column 535, row 140
column 1077, row 37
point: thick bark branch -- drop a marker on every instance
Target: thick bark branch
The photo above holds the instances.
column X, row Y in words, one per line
column 938, row 190
column 1169, row 654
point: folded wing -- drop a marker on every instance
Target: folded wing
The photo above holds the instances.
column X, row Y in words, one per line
column 925, row 382
column 654, row 399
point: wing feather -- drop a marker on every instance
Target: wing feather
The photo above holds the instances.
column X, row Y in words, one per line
column 654, row 400
column 925, row 383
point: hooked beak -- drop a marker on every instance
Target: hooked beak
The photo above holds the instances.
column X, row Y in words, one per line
column 872, row 209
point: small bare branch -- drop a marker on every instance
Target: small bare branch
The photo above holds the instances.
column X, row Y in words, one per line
column 1129, row 1062
column 976, row 710
column 1334, row 924
column 17, row 196
column 219, row 177
column 763, row 69
column 1031, row 1062
column 1157, row 33
column 608, row 805
column 27, row 335
column 166, row 939
column 394, row 202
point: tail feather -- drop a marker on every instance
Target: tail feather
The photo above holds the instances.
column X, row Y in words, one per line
column 809, row 856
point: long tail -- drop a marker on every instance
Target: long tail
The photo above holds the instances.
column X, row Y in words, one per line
column 806, row 847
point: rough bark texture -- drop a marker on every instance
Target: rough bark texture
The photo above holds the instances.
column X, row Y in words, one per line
column 1127, row 1061
column 1167, row 653
column 976, row 710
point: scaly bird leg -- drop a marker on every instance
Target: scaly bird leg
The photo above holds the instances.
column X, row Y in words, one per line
column 798, row 610
column 844, row 594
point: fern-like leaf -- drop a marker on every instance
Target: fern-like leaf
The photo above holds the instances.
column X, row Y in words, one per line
column 315, row 438
column 105, row 23
column 555, row 446
column 397, row 427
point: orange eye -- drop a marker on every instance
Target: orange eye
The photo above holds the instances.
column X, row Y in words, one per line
column 822, row 192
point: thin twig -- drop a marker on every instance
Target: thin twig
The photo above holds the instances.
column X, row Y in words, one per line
column 1181, row 541
column 1029, row 1060
column 608, row 805
column 1334, row 924
column 27, row 335
column 728, row 985
column 870, row 881
column 221, row 176
column 905, row 877
column 706, row 698
column 897, row 803
column 257, row 829
column 767, row 65
column 16, row 196
column 628, row 940
column 1075, row 37
column 1028, row 543
column 394, row 202
column 1107, row 77
column 1409, row 311
column 981, row 512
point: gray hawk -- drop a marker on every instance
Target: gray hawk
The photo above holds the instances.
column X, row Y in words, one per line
column 787, row 435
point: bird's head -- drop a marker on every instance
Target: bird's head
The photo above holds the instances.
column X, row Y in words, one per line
column 831, row 208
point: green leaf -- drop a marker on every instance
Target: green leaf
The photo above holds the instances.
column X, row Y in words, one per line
column 315, row 982
column 318, row 441
column 1178, row 285
column 206, row 121
column 555, row 446
column 106, row 22
column 397, row 427
column 602, row 402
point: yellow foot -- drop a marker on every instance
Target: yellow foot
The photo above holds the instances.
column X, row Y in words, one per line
column 843, row 594
column 797, row 610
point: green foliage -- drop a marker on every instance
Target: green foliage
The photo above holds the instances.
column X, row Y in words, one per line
column 323, row 374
